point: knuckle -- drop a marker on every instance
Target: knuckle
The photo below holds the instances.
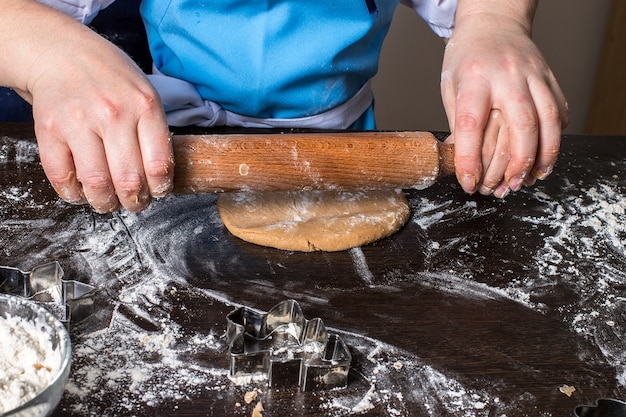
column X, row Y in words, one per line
column 71, row 109
column 60, row 176
column 525, row 121
column 96, row 182
column 466, row 122
column 99, row 192
column 130, row 185
column 510, row 65
column 550, row 113
column 111, row 110
column 142, row 102
column 148, row 102
column 159, row 174
column 47, row 127
column 159, row 168
column 475, row 67
column 49, row 122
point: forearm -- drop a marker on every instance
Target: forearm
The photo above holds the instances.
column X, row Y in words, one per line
column 29, row 31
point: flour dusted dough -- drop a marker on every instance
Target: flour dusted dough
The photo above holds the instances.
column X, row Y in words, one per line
column 313, row 220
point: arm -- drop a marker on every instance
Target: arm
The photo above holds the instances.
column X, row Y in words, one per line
column 492, row 67
column 100, row 126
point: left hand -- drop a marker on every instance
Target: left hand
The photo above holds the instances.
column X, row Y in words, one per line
column 505, row 108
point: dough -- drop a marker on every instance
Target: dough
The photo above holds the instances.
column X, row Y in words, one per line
column 313, row 220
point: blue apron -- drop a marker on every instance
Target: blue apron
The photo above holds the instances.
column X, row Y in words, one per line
column 270, row 59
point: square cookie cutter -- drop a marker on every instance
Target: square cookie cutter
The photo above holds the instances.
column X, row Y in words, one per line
column 286, row 349
column 66, row 299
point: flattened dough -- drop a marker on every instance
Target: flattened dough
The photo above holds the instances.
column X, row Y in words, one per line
column 314, row 220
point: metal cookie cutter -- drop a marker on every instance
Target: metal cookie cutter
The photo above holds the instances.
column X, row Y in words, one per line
column 284, row 347
column 44, row 284
column 605, row 407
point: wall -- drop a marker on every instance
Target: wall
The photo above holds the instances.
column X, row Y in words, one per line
column 569, row 33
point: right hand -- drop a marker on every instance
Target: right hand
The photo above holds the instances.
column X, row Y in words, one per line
column 102, row 133
column 495, row 83
column 495, row 155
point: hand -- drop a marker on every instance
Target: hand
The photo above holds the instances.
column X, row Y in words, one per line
column 100, row 126
column 506, row 110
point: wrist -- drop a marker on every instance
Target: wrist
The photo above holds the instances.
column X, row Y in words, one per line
column 500, row 15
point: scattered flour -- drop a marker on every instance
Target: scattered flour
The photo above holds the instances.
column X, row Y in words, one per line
column 584, row 250
column 587, row 253
column 360, row 265
column 169, row 373
column 18, row 151
column 142, row 356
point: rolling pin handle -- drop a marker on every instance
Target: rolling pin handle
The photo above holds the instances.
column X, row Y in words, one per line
column 446, row 159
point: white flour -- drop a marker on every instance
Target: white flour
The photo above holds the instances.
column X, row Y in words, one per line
column 144, row 357
column 159, row 366
column 586, row 253
column 153, row 367
column 590, row 233
column 20, row 151
column 28, row 362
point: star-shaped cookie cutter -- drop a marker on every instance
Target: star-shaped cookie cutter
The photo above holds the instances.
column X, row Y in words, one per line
column 286, row 349
column 66, row 299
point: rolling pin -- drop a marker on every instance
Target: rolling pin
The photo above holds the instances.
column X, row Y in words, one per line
column 300, row 161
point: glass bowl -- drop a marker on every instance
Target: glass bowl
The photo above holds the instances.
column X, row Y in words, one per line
column 56, row 339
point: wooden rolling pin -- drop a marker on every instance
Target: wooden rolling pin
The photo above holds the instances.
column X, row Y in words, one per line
column 299, row 161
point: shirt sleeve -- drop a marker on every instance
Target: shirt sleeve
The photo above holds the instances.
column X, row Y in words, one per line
column 82, row 10
column 439, row 14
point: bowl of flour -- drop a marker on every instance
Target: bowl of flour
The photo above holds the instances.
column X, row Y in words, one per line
column 34, row 359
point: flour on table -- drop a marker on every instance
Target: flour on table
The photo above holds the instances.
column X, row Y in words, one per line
column 590, row 231
column 18, row 151
column 142, row 358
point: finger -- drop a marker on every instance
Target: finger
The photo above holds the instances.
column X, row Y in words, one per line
column 521, row 118
column 493, row 178
column 124, row 163
column 471, row 114
column 92, row 172
column 156, row 151
column 58, row 164
column 495, row 153
column 490, row 137
column 552, row 113
column 131, row 145
column 560, row 98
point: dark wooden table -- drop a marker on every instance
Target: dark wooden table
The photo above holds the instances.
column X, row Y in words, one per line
column 477, row 307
